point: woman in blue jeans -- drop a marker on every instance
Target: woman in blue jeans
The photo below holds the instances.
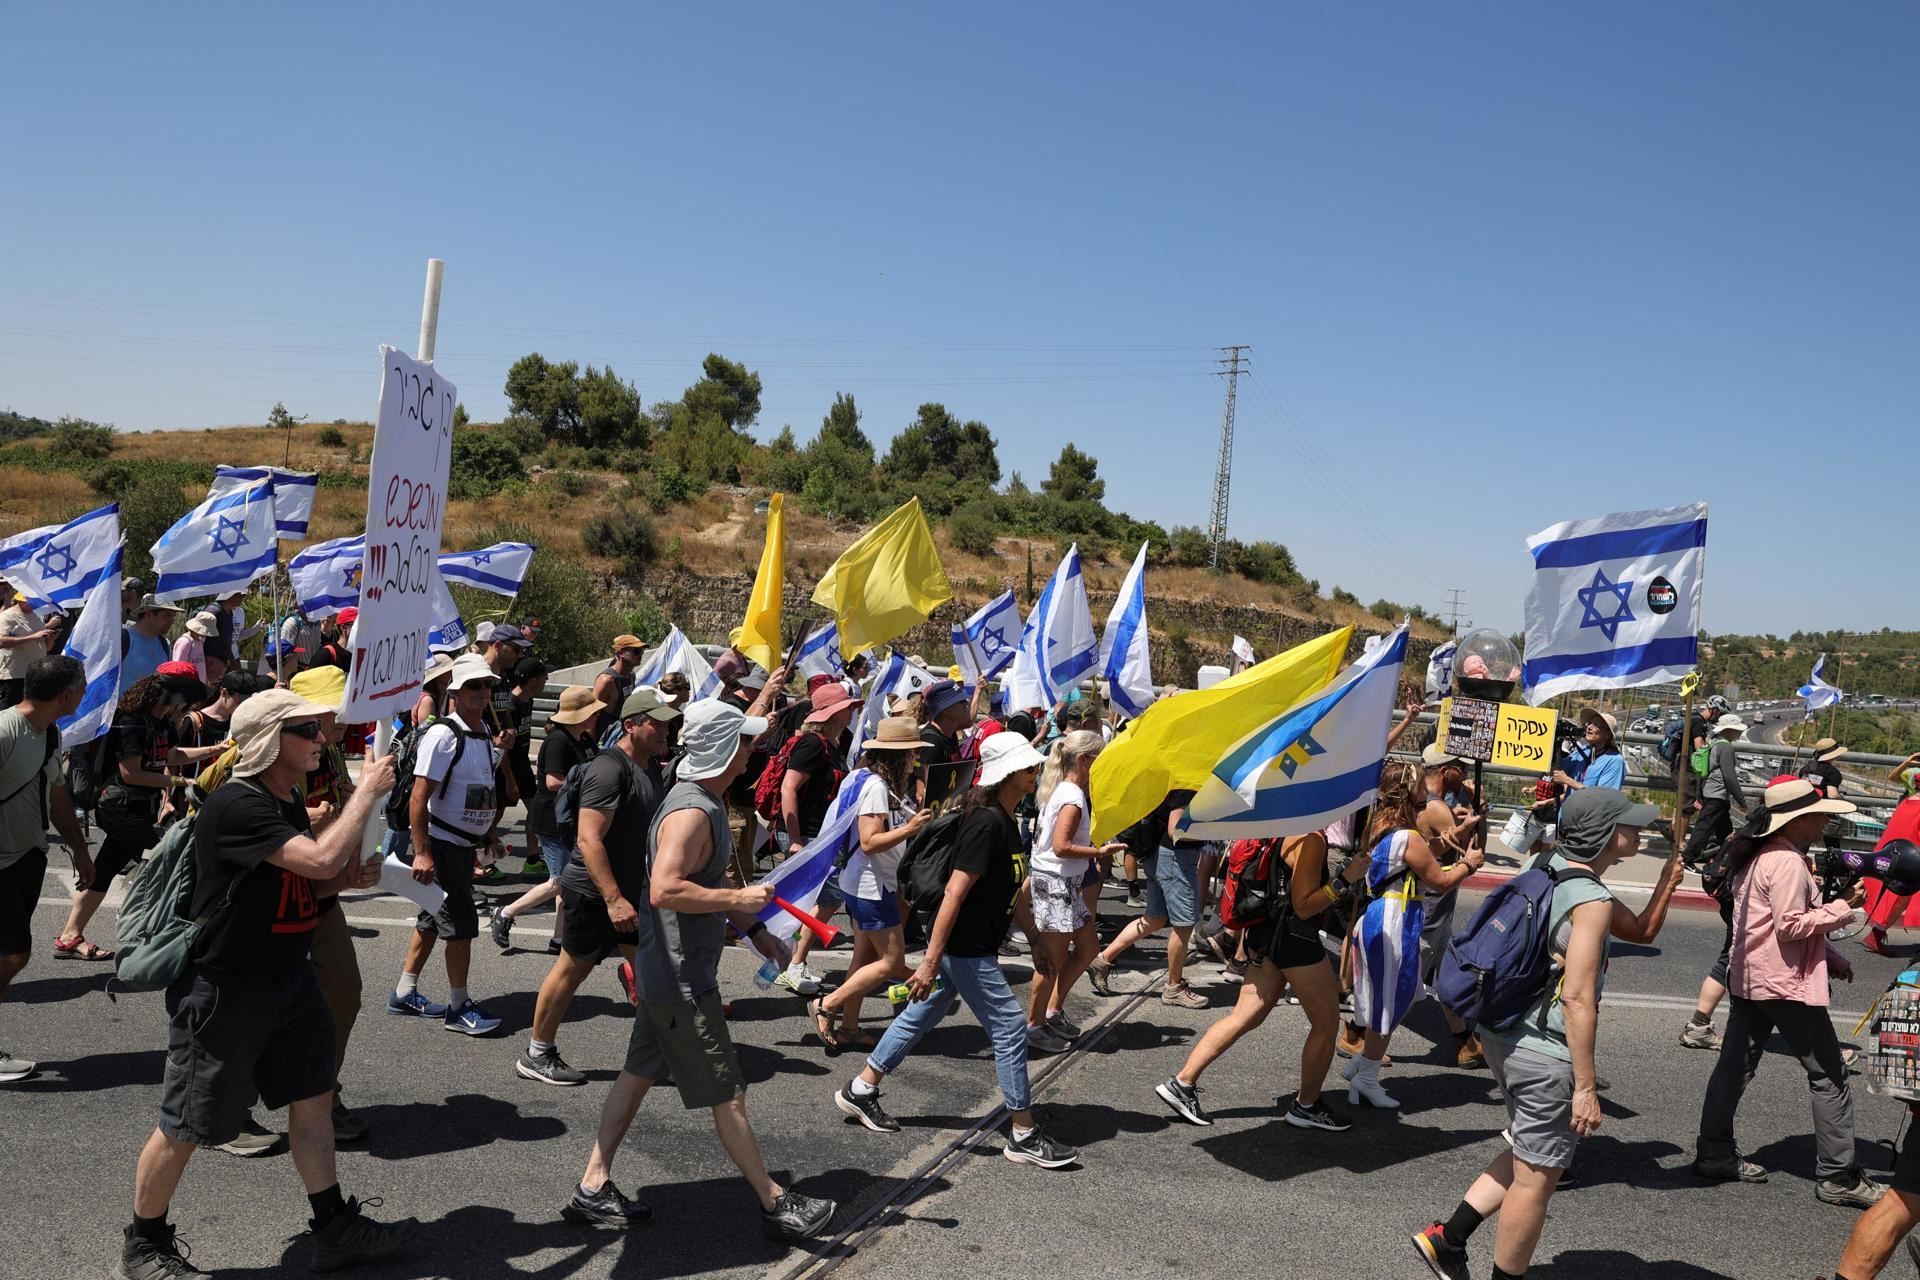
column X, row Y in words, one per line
column 963, row 955
column 1173, row 898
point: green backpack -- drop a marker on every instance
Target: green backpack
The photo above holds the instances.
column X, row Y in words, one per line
column 1701, row 761
column 153, row 937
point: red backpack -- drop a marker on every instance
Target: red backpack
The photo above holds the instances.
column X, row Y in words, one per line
column 1256, row 883
column 766, row 792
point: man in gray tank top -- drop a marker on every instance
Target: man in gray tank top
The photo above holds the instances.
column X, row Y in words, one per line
column 679, row 1027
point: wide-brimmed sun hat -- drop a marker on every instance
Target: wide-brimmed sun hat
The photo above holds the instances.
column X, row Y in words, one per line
column 1730, row 724
column 896, row 733
column 1003, row 755
column 468, row 668
column 1827, row 749
column 203, row 625
column 829, row 699
column 1796, row 798
column 577, row 706
column 1589, row 714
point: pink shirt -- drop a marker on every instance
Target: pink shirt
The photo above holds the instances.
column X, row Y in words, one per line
column 191, row 648
column 1779, row 929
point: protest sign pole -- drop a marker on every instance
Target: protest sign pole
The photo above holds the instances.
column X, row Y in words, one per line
column 1682, row 771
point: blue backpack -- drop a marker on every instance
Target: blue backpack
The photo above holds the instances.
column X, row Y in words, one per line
column 1496, row 968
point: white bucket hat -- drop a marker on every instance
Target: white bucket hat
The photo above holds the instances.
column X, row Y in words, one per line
column 1003, row 755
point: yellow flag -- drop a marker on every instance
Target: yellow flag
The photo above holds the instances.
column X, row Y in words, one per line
column 886, row 583
column 1176, row 744
column 759, row 636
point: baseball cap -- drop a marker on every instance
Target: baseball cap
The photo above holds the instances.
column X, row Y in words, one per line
column 347, row 616
column 1589, row 815
column 1436, row 755
column 507, row 633
column 628, row 642
column 710, row 737
column 648, row 702
column 324, row 685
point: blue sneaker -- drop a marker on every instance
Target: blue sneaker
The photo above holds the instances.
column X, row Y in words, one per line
column 470, row 1019
column 414, row 1005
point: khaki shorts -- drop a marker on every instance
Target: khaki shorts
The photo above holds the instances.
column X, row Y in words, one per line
column 688, row 1041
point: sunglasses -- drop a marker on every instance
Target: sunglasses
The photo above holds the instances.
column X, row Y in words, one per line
column 308, row 729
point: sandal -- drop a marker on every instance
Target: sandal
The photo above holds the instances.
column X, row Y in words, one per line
column 823, row 1024
column 858, row 1038
column 79, row 949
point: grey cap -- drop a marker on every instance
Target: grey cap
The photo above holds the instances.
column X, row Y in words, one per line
column 1589, row 816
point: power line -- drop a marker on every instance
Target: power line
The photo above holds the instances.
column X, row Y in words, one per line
column 1223, row 470
column 1455, row 604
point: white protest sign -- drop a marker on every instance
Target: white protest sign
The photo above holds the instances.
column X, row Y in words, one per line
column 406, row 503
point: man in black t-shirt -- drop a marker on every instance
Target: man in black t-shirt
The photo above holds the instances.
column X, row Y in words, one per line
column 604, row 889
column 948, row 715
column 258, row 881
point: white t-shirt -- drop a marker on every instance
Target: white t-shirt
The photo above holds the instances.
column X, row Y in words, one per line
column 468, row 802
column 18, row 620
column 1072, row 869
column 869, row 875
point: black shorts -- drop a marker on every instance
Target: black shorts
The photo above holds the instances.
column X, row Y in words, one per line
column 19, row 895
column 1285, row 948
column 457, row 919
column 1906, row 1167
column 590, row 934
column 228, row 1037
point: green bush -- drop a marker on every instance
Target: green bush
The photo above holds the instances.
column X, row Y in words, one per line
column 331, row 437
column 78, row 438
column 647, row 620
column 522, row 433
column 972, row 529
column 572, row 483
column 668, row 487
column 575, row 622
column 625, row 536
column 482, row 465
column 1343, row 596
column 148, row 507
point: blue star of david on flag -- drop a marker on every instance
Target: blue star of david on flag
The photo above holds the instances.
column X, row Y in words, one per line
column 56, row 561
column 226, row 545
column 992, row 641
column 1609, row 624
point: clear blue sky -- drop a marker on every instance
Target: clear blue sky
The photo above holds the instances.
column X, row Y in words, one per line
column 1499, row 264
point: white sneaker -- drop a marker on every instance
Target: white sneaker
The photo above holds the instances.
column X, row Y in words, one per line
column 796, row 979
column 14, row 1069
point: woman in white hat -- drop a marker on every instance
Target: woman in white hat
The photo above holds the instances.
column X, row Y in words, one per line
column 982, row 896
column 887, row 819
column 1063, row 852
column 1778, row 982
column 192, row 644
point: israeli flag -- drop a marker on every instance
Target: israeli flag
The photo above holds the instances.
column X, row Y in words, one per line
column 326, row 576
column 292, row 494
column 95, row 644
column 676, row 653
column 500, row 568
column 1440, row 671
column 1058, row 648
column 1615, row 602
column 984, row 644
column 1123, row 645
column 218, row 547
column 446, row 629
column 897, row 676
column 799, row 878
column 1817, row 693
column 820, row 653
column 1310, row 766
column 57, row 566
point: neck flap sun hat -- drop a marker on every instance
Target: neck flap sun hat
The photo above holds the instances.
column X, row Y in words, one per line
column 1796, row 798
column 256, row 727
column 1003, row 755
column 1730, row 724
column 710, row 737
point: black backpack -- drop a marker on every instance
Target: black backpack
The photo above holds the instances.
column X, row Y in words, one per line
column 406, row 759
column 88, row 768
column 1669, row 748
column 927, row 864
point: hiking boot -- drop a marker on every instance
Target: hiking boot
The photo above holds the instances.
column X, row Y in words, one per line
column 605, row 1208
column 1184, row 1099
column 1038, row 1149
column 1731, row 1170
column 254, row 1139
column 1700, row 1035
column 13, row 1069
column 1317, row 1115
column 471, row 1020
column 159, row 1259
column 547, row 1068
column 1467, row 1053
column 1447, row 1261
column 1851, row 1190
column 414, row 1005
column 866, row 1109
column 1234, row 972
column 1099, row 970
column 500, row 928
column 348, row 1128
column 1061, row 1025
column 1350, row 1042
column 353, row 1237
column 1183, row 997
column 795, row 1217
column 1042, row 1040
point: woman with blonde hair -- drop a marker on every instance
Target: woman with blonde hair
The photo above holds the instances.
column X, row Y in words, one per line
column 1062, row 850
column 1386, row 976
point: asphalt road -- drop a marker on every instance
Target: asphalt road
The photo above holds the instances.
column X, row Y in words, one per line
column 485, row 1159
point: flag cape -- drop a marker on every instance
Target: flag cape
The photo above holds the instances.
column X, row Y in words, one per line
column 886, row 583
column 1615, row 602
column 758, row 636
column 799, row 878
column 218, row 547
column 1314, row 763
column 1123, row 644
column 1176, row 744
column 292, row 494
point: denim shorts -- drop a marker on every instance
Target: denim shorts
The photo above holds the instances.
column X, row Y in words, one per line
column 556, row 853
column 869, row 915
column 1173, row 891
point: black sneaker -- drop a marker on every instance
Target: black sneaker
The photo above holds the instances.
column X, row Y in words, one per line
column 1184, row 1099
column 797, row 1217
column 547, row 1068
column 605, row 1208
column 501, row 927
column 866, row 1109
column 1447, row 1261
column 1038, row 1148
column 354, row 1237
column 1317, row 1115
column 154, row 1259
column 1734, row 1170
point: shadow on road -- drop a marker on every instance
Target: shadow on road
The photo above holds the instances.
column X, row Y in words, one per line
column 100, row 1071
column 1276, row 1151
column 409, row 1130
column 1583, row 1264
column 65, row 987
